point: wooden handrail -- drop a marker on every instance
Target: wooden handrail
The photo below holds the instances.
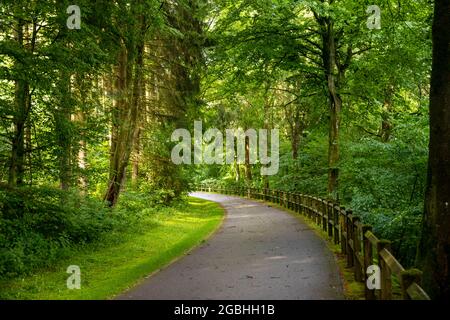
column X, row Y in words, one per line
column 357, row 240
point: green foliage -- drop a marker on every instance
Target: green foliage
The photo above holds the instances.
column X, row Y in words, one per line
column 384, row 183
column 123, row 257
column 39, row 226
column 232, row 64
column 266, row 71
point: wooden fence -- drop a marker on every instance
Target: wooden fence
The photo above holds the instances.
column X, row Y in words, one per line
column 357, row 242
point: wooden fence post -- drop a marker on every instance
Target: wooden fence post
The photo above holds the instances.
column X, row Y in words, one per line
column 408, row 277
column 286, row 196
column 305, row 205
column 330, row 220
column 317, row 210
column 357, row 249
column 386, row 281
column 288, row 203
column 280, row 197
column 291, row 201
column 343, row 229
column 301, row 201
column 349, row 240
column 310, row 205
column 368, row 261
column 336, row 221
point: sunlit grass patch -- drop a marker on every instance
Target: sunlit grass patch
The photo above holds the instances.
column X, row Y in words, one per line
column 123, row 259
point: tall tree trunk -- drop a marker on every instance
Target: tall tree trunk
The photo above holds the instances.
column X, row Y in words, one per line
column 116, row 170
column 28, row 149
column 136, row 158
column 334, row 71
column 267, row 125
column 434, row 248
column 333, row 146
column 82, row 180
column 335, row 106
column 295, row 145
column 82, row 154
column 126, row 117
column 248, row 166
column 22, row 108
column 64, row 133
column 237, row 171
column 297, row 126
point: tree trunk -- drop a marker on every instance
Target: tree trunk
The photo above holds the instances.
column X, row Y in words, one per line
column 248, row 166
column 434, row 248
column 136, row 158
column 82, row 178
column 295, row 146
column 335, row 106
column 116, row 168
column 28, row 148
column 333, row 149
column 297, row 125
column 237, row 171
column 63, row 131
column 21, row 99
column 126, row 117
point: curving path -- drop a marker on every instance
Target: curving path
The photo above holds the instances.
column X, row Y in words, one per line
column 259, row 253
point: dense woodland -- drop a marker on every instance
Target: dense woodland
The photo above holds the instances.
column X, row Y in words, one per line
column 86, row 115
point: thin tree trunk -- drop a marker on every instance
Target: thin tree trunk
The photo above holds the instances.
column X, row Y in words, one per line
column 434, row 248
column 28, row 148
column 136, row 158
column 296, row 132
column 82, row 154
column 63, row 131
column 116, row 171
column 248, row 166
column 267, row 126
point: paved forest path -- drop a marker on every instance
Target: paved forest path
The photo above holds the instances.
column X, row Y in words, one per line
column 260, row 253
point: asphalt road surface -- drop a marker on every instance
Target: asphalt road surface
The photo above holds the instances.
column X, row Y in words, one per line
column 259, row 253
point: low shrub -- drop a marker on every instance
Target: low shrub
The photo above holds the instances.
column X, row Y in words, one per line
column 40, row 225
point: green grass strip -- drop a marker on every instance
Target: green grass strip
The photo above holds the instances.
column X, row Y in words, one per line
column 125, row 258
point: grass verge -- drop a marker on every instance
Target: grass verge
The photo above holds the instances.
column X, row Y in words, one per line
column 123, row 259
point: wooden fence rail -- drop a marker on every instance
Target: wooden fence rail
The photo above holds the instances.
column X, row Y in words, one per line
column 357, row 242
